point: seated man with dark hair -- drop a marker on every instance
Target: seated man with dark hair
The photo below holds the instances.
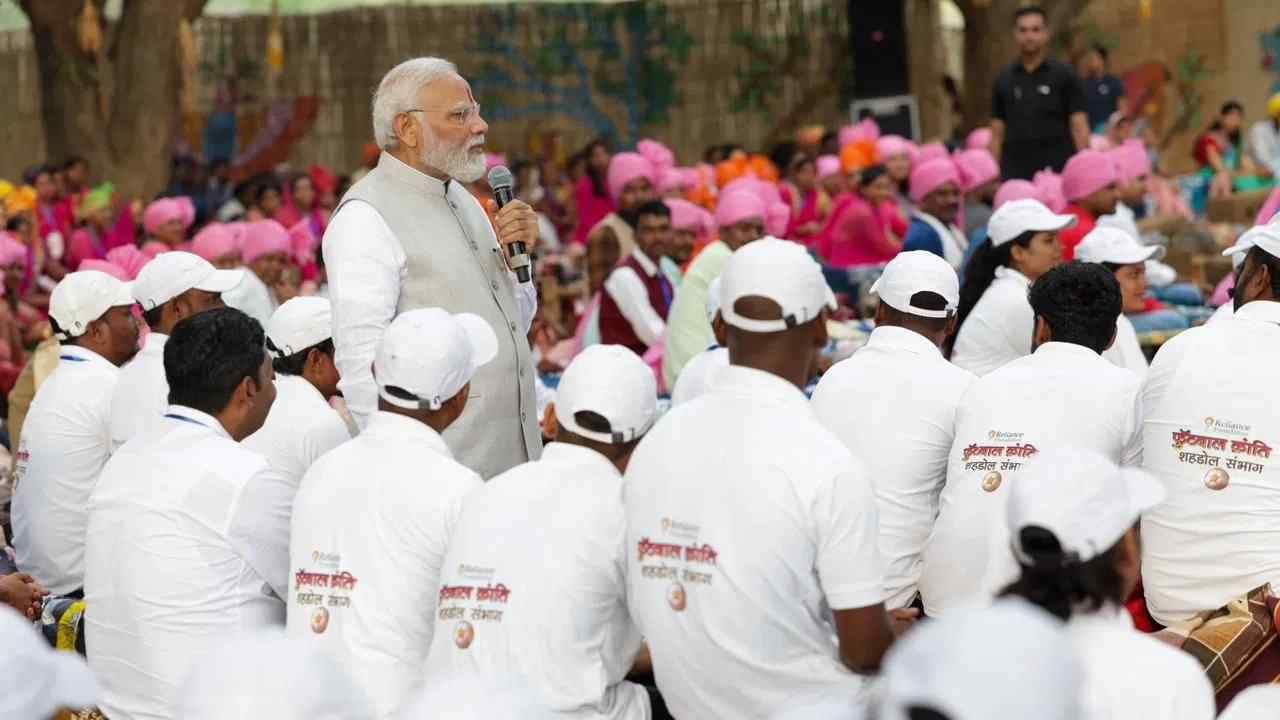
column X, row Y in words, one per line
column 1064, row 394
column 189, row 528
column 637, row 295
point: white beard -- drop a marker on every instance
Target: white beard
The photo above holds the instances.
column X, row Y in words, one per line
column 456, row 162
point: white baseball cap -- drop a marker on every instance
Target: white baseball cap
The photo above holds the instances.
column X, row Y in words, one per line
column 35, row 679
column 1026, row 215
column 82, row 297
column 713, row 299
column 958, row 665
column 781, row 271
column 1266, row 237
column 1106, row 244
column 298, row 324
column 917, row 271
column 431, row 354
column 613, row 382
column 172, row 273
column 1080, row 496
column 267, row 674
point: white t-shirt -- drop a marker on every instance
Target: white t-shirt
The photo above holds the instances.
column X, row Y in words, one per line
column 1212, row 423
column 65, row 443
column 253, row 298
column 371, row 524
column 142, row 393
column 1063, row 395
column 747, row 523
column 1000, row 328
column 1131, row 675
column 189, row 545
column 534, row 586
column 1224, row 311
column 1126, row 351
column 893, row 404
column 299, row 429
column 698, row 373
column 1255, row 703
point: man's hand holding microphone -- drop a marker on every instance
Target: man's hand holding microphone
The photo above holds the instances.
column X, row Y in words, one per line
column 515, row 222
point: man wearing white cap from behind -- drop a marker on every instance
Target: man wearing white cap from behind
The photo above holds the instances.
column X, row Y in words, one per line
column 696, row 376
column 301, row 426
column 373, row 517
column 1123, row 255
column 1010, row 661
column 1073, row 524
column 509, row 546
column 893, row 404
column 37, row 681
column 65, row 441
column 1212, row 422
column 172, row 287
column 751, row 529
column 1062, row 395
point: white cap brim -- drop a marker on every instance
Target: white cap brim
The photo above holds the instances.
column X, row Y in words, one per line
column 484, row 343
column 1045, row 223
column 1137, row 254
column 221, row 281
column 1144, row 489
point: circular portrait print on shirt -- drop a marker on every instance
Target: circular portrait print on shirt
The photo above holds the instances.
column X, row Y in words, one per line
column 991, row 481
column 676, row 597
column 463, row 635
column 320, row 620
column 1216, row 479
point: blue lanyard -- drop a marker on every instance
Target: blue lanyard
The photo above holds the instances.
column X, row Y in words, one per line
column 185, row 419
column 72, row 358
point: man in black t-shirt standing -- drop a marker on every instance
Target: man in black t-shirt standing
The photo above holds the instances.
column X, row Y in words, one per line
column 1038, row 108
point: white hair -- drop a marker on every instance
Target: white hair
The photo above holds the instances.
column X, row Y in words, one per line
column 398, row 92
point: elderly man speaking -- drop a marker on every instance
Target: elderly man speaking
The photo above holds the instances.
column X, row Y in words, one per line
column 409, row 235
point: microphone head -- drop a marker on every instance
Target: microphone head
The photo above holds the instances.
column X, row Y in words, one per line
column 500, row 176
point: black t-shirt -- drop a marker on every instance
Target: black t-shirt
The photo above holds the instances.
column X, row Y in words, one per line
column 1036, row 108
column 1101, row 97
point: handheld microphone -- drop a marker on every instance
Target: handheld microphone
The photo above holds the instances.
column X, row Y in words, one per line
column 501, row 183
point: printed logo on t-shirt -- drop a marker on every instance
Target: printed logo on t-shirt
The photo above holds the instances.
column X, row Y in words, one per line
column 980, row 457
column 327, row 588
column 676, row 563
column 1245, row 455
column 464, row 604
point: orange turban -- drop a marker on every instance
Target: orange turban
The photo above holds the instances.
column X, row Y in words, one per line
column 858, row 155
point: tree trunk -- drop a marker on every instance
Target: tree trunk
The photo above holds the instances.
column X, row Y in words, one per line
column 127, row 138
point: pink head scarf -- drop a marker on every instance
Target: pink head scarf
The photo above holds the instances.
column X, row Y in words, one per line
column 739, row 205
column 153, row 248
column 166, row 209
column 672, row 179
column 1087, row 172
column 214, row 241
column 889, row 145
column 303, row 242
column 979, row 139
column 931, row 175
column 865, row 131
column 776, row 213
column 105, row 266
column 12, row 251
column 128, row 258
column 1016, row 190
column 625, row 167
column 658, row 155
column 263, row 237
column 1131, row 160
column 1049, row 183
column 687, row 216
column 931, row 151
column 828, row 165
column 976, row 167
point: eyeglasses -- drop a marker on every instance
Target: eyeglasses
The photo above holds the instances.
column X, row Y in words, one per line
column 459, row 116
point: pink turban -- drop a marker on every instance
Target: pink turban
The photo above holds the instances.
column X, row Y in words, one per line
column 1099, row 143
column 153, row 248
column 976, row 168
column 658, row 155
column 889, row 145
column 828, row 165
column 625, row 167
column 1087, row 172
column 105, row 266
column 263, row 237
column 672, row 179
column 979, row 139
column 777, row 217
column 865, row 131
column 1131, row 160
column 1268, row 211
column 214, row 241
column 1016, row 190
column 493, row 160
column 931, row 175
column 739, row 205
column 12, row 251
column 303, row 242
column 777, row 213
column 166, row 209
column 931, row 151
column 128, row 258
column 687, row 216
column 1049, row 184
